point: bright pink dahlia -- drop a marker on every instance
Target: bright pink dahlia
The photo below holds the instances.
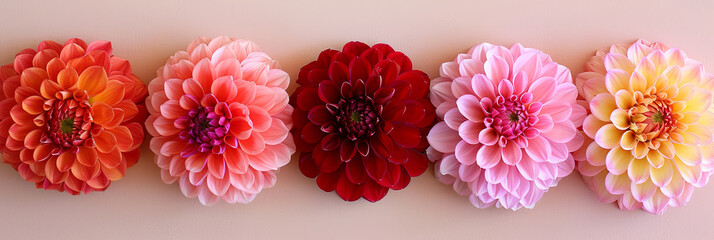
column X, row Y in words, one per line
column 649, row 130
column 70, row 120
column 510, row 125
column 220, row 117
column 361, row 119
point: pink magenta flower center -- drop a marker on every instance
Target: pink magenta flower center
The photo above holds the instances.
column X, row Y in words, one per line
column 356, row 117
column 509, row 117
column 68, row 122
column 205, row 128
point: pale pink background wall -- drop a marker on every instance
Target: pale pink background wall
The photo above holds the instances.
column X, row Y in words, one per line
column 430, row 32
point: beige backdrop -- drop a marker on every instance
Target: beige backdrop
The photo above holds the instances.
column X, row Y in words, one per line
column 146, row 32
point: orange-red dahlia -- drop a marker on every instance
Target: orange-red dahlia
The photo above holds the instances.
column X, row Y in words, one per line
column 70, row 119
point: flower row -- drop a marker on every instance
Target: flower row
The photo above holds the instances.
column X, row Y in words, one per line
column 502, row 125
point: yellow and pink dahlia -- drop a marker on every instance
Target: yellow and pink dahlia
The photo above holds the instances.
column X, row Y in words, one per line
column 220, row 117
column 649, row 128
column 70, row 120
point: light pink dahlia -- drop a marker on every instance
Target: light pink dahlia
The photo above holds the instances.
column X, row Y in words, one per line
column 509, row 125
column 649, row 133
column 220, row 117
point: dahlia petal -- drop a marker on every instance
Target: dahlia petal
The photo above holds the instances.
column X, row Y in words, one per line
column 663, row 175
column 469, row 67
column 470, row 107
column 469, row 131
column 374, row 192
column 543, row 89
column 347, row 190
column 666, row 149
column 539, row 149
column 124, row 137
column 193, row 87
column 620, row 119
column 328, row 181
column 20, row 116
column 216, row 166
column 657, row 204
column 629, row 142
column 700, row 101
column 405, row 135
column 416, row 165
column 481, row 85
column 512, row 154
column 618, row 61
column 105, row 142
column 112, row 94
column 608, row 136
column 111, row 159
column 355, row 172
column 602, row 106
column 453, row 118
column 442, row 138
column 529, row 64
column 638, row 170
column 254, row 144
column 497, row 173
column 83, row 172
column 691, row 174
column 328, row 92
column 33, row 105
column 643, row 191
column 496, row 68
column 617, row 184
column 466, row 153
column 488, row 156
column 196, row 163
column 260, row 118
column 93, row 80
column 52, row 174
column 277, row 132
column 33, row 77
column 65, row 161
column 655, row 159
column 689, row 155
column 562, row 132
column 326, row 161
column 618, row 160
column 48, row 89
column 376, row 167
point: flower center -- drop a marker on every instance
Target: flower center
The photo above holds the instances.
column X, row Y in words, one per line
column 652, row 120
column 356, row 117
column 205, row 128
column 509, row 117
column 67, row 125
column 69, row 121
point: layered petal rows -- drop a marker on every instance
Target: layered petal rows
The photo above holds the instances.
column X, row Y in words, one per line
column 361, row 117
column 70, row 120
column 510, row 122
column 220, row 119
column 649, row 130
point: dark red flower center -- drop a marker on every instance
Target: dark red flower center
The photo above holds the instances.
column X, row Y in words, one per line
column 69, row 122
column 356, row 117
column 206, row 129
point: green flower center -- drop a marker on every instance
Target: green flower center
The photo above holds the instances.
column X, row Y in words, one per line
column 67, row 125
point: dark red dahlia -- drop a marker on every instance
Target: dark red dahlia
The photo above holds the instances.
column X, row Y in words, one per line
column 361, row 119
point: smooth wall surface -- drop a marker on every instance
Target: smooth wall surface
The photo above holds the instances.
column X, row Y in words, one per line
column 146, row 32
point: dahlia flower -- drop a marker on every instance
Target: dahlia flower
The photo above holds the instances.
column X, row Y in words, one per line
column 649, row 130
column 70, row 120
column 361, row 118
column 509, row 125
column 220, row 117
